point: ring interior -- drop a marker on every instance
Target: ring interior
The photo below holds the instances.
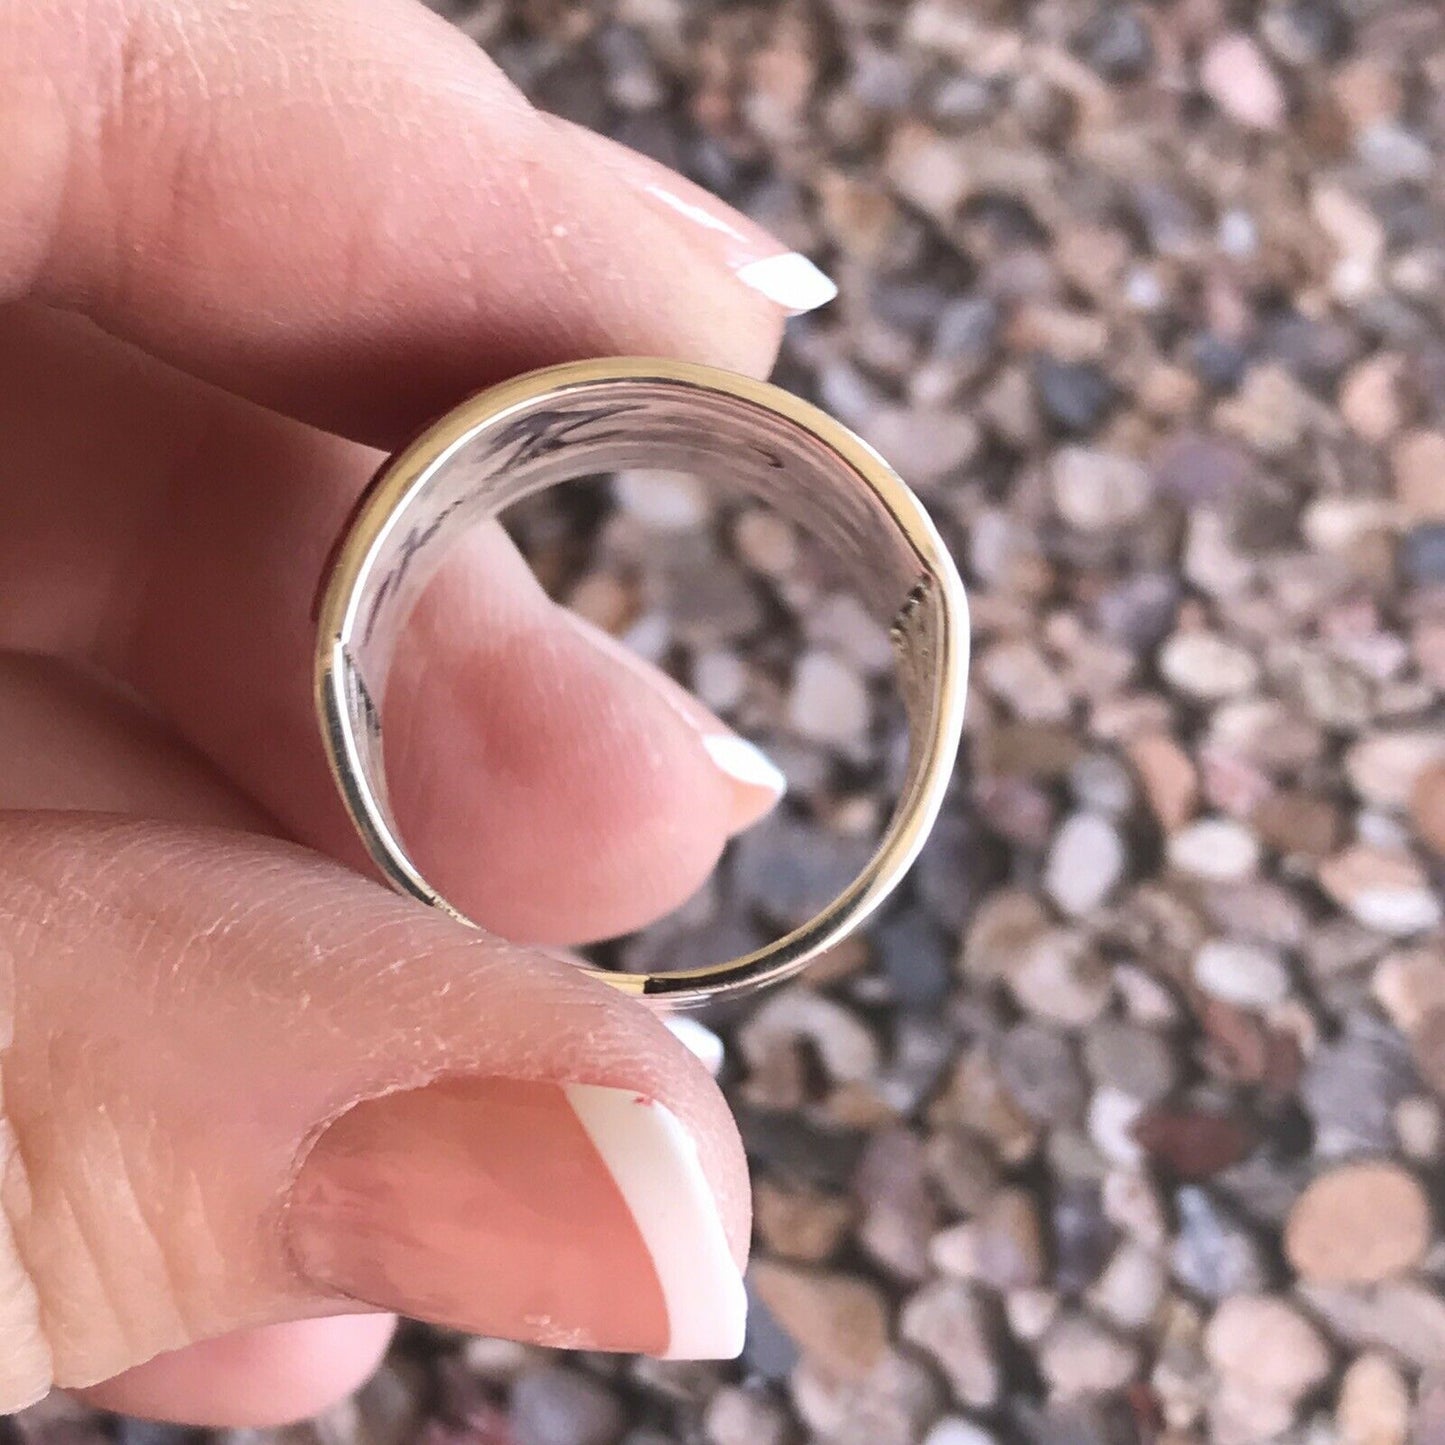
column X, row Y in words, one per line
column 612, row 425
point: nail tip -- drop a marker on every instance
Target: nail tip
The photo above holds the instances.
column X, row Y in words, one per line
column 655, row 1163
column 789, row 280
column 746, row 763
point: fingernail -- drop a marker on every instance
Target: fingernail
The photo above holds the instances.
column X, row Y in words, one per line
column 570, row 1215
column 787, row 278
column 757, row 783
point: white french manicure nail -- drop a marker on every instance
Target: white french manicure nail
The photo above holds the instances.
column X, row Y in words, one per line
column 654, row 1162
column 699, row 1040
column 789, row 280
column 745, row 763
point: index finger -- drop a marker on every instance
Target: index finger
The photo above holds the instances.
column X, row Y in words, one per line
column 344, row 211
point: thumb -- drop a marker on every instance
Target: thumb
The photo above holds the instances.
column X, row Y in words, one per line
column 242, row 1086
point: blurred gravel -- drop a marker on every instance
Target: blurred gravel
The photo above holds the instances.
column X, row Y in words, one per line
column 1125, row 1122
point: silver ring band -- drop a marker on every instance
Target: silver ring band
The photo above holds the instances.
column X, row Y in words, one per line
column 593, row 417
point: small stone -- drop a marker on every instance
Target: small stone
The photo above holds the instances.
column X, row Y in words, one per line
column 1418, row 463
column 925, row 447
column 1078, row 1357
column 1098, row 491
column 1061, row 979
column 1260, row 1342
column 1422, row 555
column 894, row 1405
column 1076, row 395
column 1116, row 43
column 829, row 701
column 1238, row 79
column 800, row 1224
column 1083, row 1238
column 1247, row 974
column 955, row 1430
column 899, row 1211
column 1420, row 1128
column 662, row 501
column 1359, row 1224
column 1212, row 1255
column 1030, row 1312
column 1385, row 767
column 1406, row 1319
column 1129, row 1059
column 1370, row 397
column 738, row 1416
column 1132, row 1287
column 1219, row 850
column 1170, row 782
column 1019, row 674
column 952, row 1323
column 1009, row 1247
column 1202, row 471
column 556, row 1406
column 1111, row 1119
column 838, row 1321
column 1427, row 808
column 1193, row 1143
column 1085, row 864
column 1132, row 1203
column 1387, row 891
column 1040, row 1069
column 1352, row 1085
column 1205, row 666
column 1298, row 823
column 1374, row 1403
column 846, row 1048
column 962, row 1168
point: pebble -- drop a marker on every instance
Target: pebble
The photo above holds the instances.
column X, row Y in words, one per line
column 955, row 1430
column 1405, row 1318
column 829, row 701
column 1085, row 864
column 557, row 1406
column 1359, row 1224
column 1097, row 491
column 739, row 1416
column 1219, row 850
column 1238, row 972
column 800, row 1223
column 1111, row 1119
column 1131, row 1289
column 1170, row 781
column 1427, row 808
column 1061, row 979
column 1078, row 1357
column 953, row 1324
column 1083, row 1237
column 846, row 1047
column 1129, row 1059
column 1192, row 1143
column 840, row 1322
column 1019, row 674
column 662, row 501
column 1384, row 890
column 1238, row 79
column 1265, row 1345
column 1208, row 667
column 1352, row 1085
column 1385, row 768
column 1418, row 463
column 899, row 1212
column 1212, row 1255
column 894, row 1405
column 1076, row 395
column 1008, row 1242
column 1374, row 1403
column 1422, row 555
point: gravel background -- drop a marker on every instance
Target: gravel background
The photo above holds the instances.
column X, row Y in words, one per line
column 1125, row 1123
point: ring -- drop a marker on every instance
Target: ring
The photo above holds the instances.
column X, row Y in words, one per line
column 591, row 417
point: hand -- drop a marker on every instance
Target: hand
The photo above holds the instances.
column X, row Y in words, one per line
column 251, row 1098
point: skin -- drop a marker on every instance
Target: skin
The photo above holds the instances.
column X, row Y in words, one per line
column 242, row 246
